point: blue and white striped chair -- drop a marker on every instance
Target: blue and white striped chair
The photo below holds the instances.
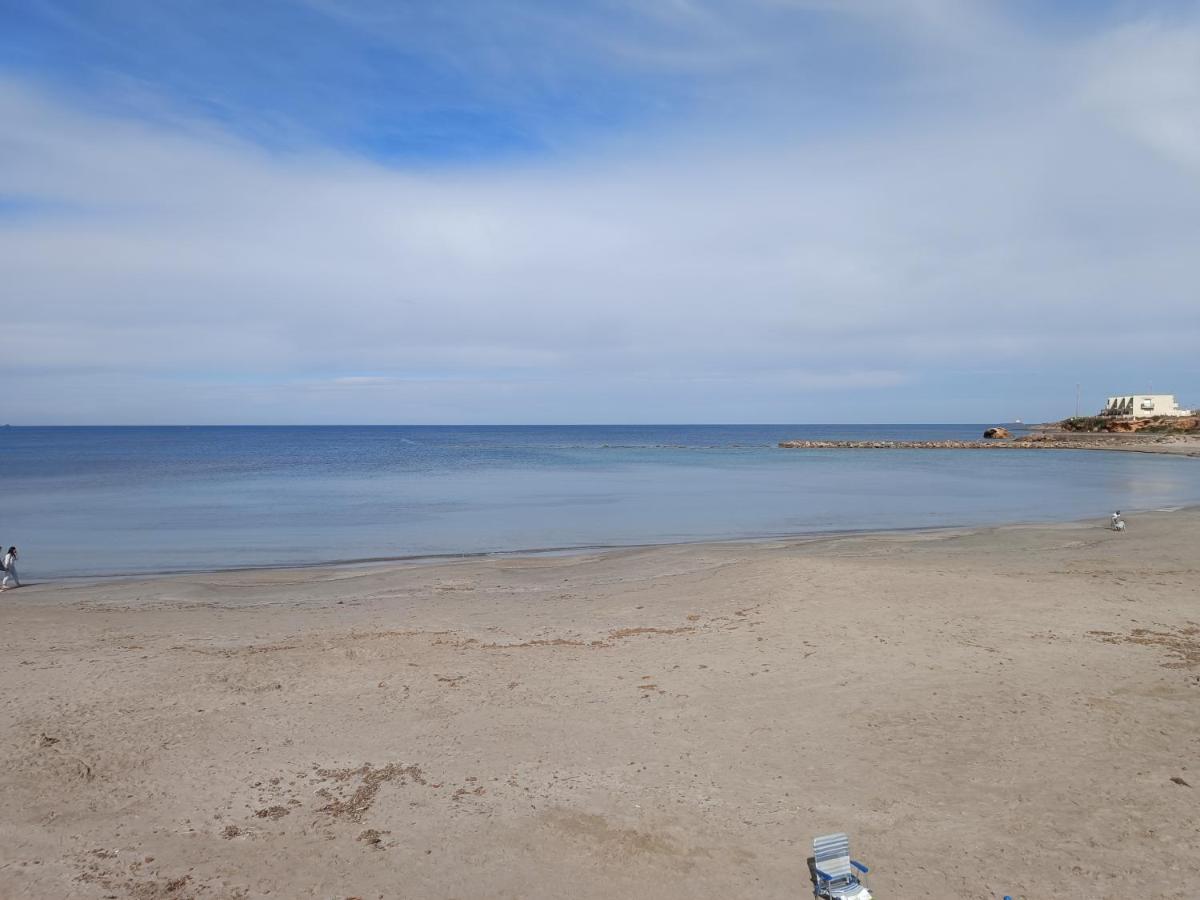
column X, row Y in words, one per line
column 836, row 876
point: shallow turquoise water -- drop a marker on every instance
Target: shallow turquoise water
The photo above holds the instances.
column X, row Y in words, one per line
column 126, row 500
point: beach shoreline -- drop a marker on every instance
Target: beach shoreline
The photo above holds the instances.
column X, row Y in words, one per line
column 389, row 563
column 1172, row 444
column 670, row 721
column 128, row 502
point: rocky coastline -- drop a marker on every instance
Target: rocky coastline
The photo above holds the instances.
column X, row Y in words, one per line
column 1127, row 425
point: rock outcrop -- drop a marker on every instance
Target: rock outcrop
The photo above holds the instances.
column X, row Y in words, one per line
column 1112, row 425
column 999, row 433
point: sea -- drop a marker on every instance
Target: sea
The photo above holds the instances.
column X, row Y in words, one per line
column 100, row 501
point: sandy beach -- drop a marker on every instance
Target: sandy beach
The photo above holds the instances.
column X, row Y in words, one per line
column 588, row 450
column 1136, row 442
column 1001, row 711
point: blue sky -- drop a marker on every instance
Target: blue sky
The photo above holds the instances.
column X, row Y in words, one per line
column 434, row 82
column 770, row 210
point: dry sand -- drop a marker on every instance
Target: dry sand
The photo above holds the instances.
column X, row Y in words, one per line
column 1008, row 710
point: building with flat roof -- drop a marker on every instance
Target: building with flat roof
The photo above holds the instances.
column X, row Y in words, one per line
column 1143, row 406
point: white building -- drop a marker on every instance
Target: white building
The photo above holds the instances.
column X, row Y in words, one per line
column 1143, row 406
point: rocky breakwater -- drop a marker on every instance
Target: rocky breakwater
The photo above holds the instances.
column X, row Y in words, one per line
column 1018, row 444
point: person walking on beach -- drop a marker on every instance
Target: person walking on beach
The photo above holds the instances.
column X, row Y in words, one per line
column 10, row 569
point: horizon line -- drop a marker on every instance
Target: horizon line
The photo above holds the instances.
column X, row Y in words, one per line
column 486, row 424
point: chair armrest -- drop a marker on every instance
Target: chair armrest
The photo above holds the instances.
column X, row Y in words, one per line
column 824, row 876
column 859, row 866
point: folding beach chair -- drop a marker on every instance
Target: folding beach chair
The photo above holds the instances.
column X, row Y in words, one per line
column 835, row 875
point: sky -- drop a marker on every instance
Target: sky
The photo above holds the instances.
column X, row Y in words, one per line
column 603, row 211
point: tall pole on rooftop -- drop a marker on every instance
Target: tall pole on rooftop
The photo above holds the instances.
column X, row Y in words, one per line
column 1077, row 400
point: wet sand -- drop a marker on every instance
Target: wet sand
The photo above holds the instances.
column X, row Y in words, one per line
column 999, row 711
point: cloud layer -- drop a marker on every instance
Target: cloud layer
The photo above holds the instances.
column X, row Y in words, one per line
column 988, row 218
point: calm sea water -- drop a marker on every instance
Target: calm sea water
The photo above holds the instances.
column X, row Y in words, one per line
column 82, row 501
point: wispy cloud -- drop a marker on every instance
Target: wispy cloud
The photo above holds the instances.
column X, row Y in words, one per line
column 959, row 235
column 1145, row 78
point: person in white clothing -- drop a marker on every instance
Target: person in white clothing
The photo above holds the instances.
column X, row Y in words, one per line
column 10, row 569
